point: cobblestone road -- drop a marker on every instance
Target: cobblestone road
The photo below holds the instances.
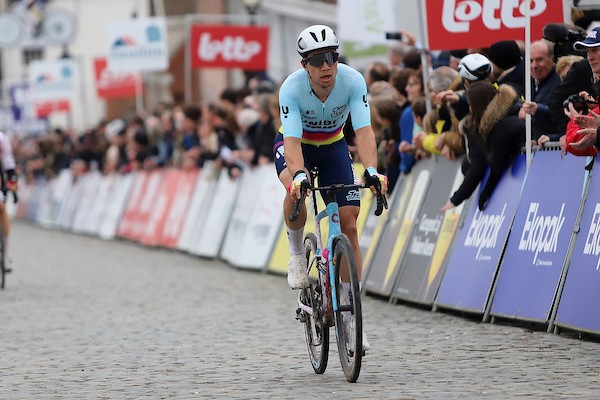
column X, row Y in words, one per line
column 84, row 318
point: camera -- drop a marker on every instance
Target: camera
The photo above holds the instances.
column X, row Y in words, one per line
column 564, row 36
column 393, row 36
column 579, row 103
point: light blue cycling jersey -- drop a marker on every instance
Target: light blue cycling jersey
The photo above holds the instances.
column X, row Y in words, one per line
column 304, row 116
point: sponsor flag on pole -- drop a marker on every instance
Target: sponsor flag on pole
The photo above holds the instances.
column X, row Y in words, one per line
column 227, row 46
column 137, row 45
column 462, row 24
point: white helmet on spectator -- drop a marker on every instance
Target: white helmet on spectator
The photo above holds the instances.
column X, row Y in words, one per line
column 316, row 37
column 474, row 67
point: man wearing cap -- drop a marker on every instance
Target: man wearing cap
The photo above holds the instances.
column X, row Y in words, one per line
column 589, row 124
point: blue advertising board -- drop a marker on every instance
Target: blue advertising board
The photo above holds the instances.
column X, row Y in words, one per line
column 470, row 272
column 578, row 307
column 542, row 230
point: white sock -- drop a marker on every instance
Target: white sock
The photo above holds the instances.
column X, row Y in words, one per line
column 296, row 238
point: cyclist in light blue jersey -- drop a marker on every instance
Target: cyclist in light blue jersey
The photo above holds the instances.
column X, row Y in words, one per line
column 314, row 105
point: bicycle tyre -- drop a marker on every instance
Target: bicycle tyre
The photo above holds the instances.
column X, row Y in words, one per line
column 315, row 331
column 348, row 335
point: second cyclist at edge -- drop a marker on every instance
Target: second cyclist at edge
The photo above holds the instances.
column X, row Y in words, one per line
column 314, row 105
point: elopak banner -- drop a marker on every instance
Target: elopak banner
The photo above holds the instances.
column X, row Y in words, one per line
column 227, row 46
column 578, row 307
column 367, row 21
column 536, row 251
column 113, row 84
column 54, row 85
column 137, row 45
column 461, row 24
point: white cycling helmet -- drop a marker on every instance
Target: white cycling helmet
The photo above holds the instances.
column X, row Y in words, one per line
column 316, row 37
column 474, row 67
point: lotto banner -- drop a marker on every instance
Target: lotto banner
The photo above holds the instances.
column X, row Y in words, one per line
column 470, row 271
column 228, row 46
column 386, row 262
column 419, row 278
column 461, row 24
column 540, row 236
column 578, row 307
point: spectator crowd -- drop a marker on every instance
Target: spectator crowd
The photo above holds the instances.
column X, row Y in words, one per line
column 472, row 107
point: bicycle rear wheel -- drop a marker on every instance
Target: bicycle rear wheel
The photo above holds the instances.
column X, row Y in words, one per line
column 315, row 330
column 348, row 317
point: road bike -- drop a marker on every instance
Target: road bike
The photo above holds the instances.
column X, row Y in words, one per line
column 328, row 301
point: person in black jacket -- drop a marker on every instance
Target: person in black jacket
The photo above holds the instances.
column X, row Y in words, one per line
column 494, row 135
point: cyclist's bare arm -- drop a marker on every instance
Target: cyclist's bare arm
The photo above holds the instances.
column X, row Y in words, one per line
column 294, row 161
column 367, row 149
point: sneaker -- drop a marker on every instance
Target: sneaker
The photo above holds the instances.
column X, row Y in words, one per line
column 297, row 276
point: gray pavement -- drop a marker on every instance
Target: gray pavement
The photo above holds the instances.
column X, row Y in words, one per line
column 83, row 318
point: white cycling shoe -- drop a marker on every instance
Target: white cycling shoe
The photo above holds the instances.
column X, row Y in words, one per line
column 297, row 276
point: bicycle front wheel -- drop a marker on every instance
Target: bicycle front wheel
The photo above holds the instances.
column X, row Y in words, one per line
column 348, row 317
column 315, row 329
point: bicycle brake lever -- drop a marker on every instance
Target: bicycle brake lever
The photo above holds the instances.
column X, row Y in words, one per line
column 304, row 186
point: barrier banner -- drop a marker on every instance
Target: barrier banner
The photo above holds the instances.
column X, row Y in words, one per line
column 536, row 251
column 98, row 204
column 160, row 204
column 61, row 186
column 263, row 223
column 90, row 183
column 419, row 277
column 374, row 227
column 208, row 242
column 44, row 215
column 118, row 194
column 148, row 205
column 475, row 257
column 130, row 214
column 242, row 212
column 180, row 207
column 199, row 206
column 70, row 203
column 386, row 263
column 578, row 307
column 33, row 198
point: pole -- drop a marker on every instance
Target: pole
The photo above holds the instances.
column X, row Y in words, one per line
column 424, row 48
column 528, row 81
column 187, row 57
column 139, row 91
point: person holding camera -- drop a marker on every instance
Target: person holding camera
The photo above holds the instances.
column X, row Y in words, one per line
column 582, row 129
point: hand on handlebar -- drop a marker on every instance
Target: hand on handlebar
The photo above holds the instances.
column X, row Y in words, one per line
column 375, row 180
column 300, row 179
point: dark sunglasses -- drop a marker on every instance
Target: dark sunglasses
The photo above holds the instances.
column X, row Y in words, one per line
column 317, row 60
